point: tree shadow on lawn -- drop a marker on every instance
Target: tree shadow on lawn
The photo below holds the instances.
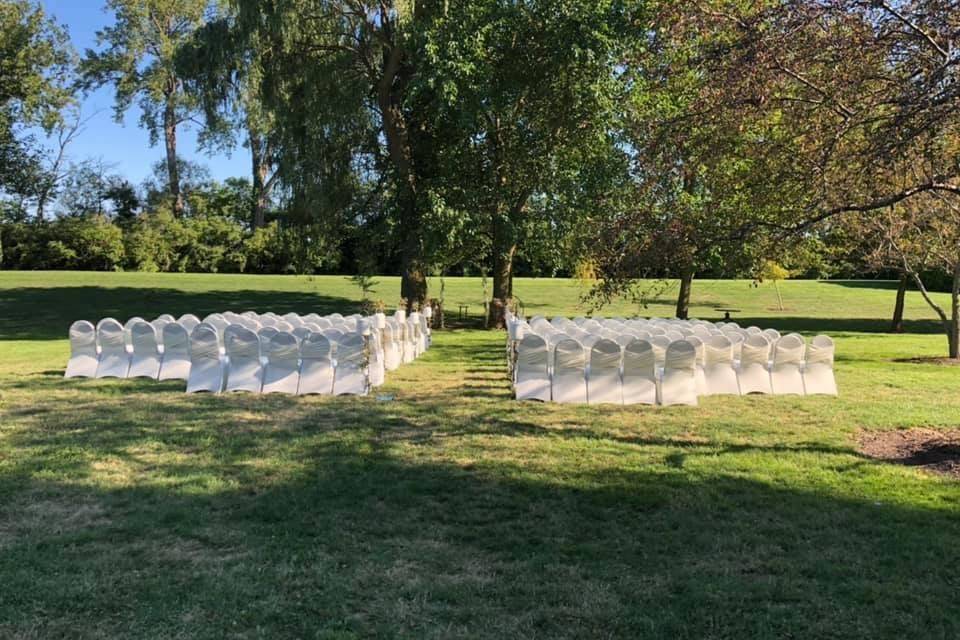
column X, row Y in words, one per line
column 46, row 313
column 834, row 326
column 321, row 526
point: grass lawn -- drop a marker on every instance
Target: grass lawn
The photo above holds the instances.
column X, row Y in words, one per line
column 130, row 510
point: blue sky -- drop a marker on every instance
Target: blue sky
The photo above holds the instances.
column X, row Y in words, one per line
column 125, row 146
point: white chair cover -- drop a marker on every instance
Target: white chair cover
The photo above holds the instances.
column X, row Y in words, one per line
column 818, row 376
column 376, row 371
column 145, row 359
column 408, row 341
column 83, row 351
column 678, row 384
column 282, row 373
column 392, row 354
column 753, row 376
column 660, row 344
column 114, row 361
column 720, row 378
column 786, row 375
column 244, row 368
column 265, row 334
column 158, row 325
column 532, row 377
column 301, row 332
column 350, row 370
column 316, row 366
column 603, row 378
column 206, row 365
column 569, row 384
column 189, row 322
column 175, row 363
column 639, row 373
column 700, row 378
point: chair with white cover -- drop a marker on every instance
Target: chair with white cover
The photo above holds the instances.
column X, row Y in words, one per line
column 603, row 378
column 639, row 373
column 83, row 351
column 334, row 336
column 218, row 321
column 678, row 384
column 301, row 332
column 145, row 357
column 624, row 339
column 753, row 376
column 126, row 332
column 376, row 371
column 244, row 368
column 350, row 370
column 698, row 373
column 818, row 377
column 408, row 341
column 265, row 334
column 159, row 324
column 283, row 325
column 114, row 359
column 772, row 335
column 206, row 365
column 737, row 339
column 719, row 375
column 391, row 348
column 425, row 332
column 532, row 376
column 189, row 322
column 282, row 372
column 175, row 363
column 786, row 374
column 316, row 366
column 660, row 344
column 569, row 383
column 167, row 317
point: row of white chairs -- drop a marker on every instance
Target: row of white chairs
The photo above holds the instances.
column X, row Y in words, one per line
column 245, row 354
column 624, row 368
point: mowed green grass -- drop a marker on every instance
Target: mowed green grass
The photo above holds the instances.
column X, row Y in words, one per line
column 129, row 509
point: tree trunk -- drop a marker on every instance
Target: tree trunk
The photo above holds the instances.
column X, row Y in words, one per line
column 683, row 298
column 261, row 171
column 951, row 322
column 170, row 139
column 896, row 326
column 413, row 279
column 502, row 285
column 953, row 333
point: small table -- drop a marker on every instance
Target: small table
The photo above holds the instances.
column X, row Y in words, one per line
column 727, row 312
column 464, row 309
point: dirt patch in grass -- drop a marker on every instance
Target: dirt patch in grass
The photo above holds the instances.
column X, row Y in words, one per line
column 945, row 362
column 936, row 451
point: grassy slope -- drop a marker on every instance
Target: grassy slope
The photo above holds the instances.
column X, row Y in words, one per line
column 130, row 509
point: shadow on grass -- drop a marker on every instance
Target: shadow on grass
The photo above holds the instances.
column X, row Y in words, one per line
column 46, row 313
column 238, row 513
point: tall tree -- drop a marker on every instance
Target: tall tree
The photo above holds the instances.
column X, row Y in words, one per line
column 223, row 66
column 363, row 55
column 531, row 91
column 138, row 57
column 35, row 72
